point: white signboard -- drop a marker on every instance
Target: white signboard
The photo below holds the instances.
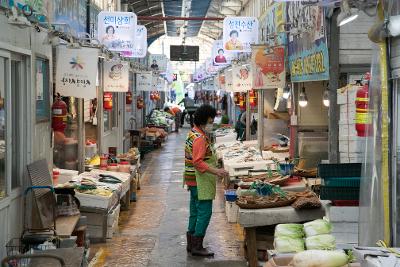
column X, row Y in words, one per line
column 117, row 30
column 228, row 80
column 221, row 56
column 144, row 81
column 158, row 84
column 76, row 72
column 240, row 33
column 242, row 78
column 158, row 63
column 116, row 76
column 140, row 45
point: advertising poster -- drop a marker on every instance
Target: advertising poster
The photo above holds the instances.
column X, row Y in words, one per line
column 158, row 84
column 158, row 63
column 219, row 55
column 228, row 80
column 275, row 20
column 116, row 76
column 307, row 46
column 240, row 33
column 268, row 66
column 76, row 72
column 144, row 81
column 140, row 46
column 210, row 68
column 221, row 81
column 117, row 30
column 242, row 79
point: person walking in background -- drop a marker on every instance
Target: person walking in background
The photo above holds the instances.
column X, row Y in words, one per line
column 176, row 112
column 201, row 178
column 189, row 105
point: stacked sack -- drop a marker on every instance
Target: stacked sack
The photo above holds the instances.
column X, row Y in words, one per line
column 291, row 238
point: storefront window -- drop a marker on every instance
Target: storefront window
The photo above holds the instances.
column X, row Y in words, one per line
column 42, row 90
column 3, row 84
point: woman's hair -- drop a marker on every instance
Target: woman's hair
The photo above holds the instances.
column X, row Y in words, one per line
column 221, row 50
column 234, row 32
column 110, row 27
column 203, row 113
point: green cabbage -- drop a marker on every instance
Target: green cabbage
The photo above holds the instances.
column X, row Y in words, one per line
column 323, row 242
column 317, row 227
column 289, row 230
column 288, row 245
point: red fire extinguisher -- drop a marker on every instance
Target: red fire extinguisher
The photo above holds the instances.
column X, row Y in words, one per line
column 253, row 98
column 242, row 102
column 59, row 115
column 107, row 101
column 139, row 102
column 128, row 98
column 363, row 116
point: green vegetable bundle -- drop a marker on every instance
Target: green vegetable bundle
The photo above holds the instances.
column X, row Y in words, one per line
column 288, row 245
column 317, row 227
column 322, row 242
column 291, row 230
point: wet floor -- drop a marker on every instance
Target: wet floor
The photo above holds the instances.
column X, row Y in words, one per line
column 153, row 232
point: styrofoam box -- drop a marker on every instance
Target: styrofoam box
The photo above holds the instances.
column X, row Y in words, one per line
column 94, row 201
column 342, row 214
column 232, row 211
column 351, row 146
column 346, row 237
column 124, row 177
column 66, row 175
column 345, row 227
column 352, row 157
column 95, row 223
column 348, row 96
column 238, row 169
column 347, row 129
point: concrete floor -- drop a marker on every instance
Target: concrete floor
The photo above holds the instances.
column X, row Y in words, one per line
column 152, row 232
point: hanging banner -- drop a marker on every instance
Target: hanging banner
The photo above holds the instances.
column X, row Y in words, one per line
column 210, row 68
column 228, row 80
column 219, row 55
column 144, row 81
column 117, row 30
column 221, row 81
column 76, row 72
column 268, row 66
column 242, row 79
column 240, row 33
column 140, row 46
column 275, row 19
column 116, row 76
column 307, row 46
column 157, row 84
column 158, row 63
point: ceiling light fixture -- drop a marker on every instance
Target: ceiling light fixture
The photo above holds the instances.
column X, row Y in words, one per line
column 346, row 15
column 303, row 100
column 286, row 91
column 325, row 98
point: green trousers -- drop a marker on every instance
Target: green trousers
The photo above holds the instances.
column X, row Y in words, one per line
column 200, row 214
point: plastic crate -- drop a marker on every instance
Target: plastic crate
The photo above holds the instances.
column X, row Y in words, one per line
column 345, row 203
column 339, row 170
column 230, row 195
column 341, row 182
column 340, row 193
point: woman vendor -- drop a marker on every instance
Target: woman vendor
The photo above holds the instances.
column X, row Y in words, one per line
column 200, row 176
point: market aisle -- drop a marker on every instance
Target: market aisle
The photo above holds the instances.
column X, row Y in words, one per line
column 152, row 233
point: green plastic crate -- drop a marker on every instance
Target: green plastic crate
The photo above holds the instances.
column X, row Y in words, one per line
column 341, row 182
column 340, row 193
column 339, row 170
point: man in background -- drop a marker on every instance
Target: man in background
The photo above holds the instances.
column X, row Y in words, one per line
column 189, row 109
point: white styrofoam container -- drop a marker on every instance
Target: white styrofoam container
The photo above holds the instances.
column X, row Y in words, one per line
column 232, row 211
column 239, row 169
column 342, row 214
column 347, row 128
column 113, row 216
column 95, row 201
column 347, row 96
column 352, row 157
column 345, row 227
column 351, row 146
column 124, row 177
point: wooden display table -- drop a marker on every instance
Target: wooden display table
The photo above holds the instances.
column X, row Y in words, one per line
column 250, row 219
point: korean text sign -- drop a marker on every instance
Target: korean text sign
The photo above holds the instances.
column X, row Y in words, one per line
column 144, row 81
column 116, row 76
column 140, row 45
column 158, row 63
column 307, row 47
column 76, row 72
column 240, row 33
column 268, row 65
column 117, row 30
